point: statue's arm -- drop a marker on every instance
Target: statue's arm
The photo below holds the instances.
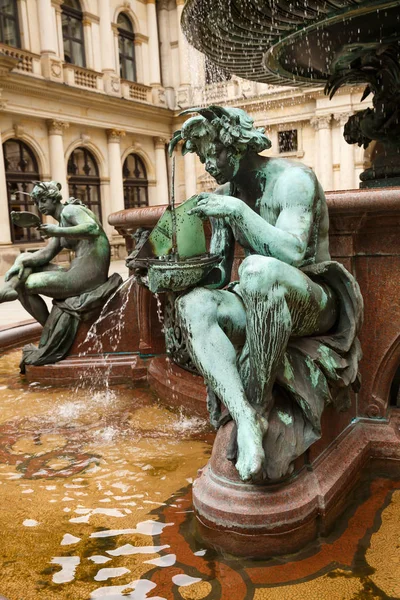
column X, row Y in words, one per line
column 287, row 240
column 43, row 256
column 80, row 225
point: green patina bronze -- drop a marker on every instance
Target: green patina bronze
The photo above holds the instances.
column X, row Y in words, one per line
column 78, row 292
column 279, row 344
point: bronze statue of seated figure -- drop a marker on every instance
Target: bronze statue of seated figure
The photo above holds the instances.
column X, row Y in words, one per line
column 78, row 291
column 279, row 344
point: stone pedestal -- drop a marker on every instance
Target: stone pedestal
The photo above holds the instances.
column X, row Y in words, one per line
column 270, row 520
column 119, row 352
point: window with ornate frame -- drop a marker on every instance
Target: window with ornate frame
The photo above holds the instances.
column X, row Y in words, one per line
column 84, row 179
column 72, row 28
column 22, row 171
column 126, row 45
column 135, row 182
column 9, row 25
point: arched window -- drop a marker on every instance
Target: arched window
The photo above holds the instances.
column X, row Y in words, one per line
column 72, row 27
column 9, row 28
column 84, row 179
column 126, row 38
column 21, row 171
column 135, row 182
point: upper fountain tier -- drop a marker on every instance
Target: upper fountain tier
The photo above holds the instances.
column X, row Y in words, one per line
column 287, row 42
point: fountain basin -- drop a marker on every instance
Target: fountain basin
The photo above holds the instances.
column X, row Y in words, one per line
column 286, row 44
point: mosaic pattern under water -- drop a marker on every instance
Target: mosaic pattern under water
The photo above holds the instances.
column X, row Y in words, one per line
column 96, row 503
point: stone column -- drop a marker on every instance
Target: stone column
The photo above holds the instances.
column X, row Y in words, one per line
column 183, row 47
column 323, row 151
column 60, row 41
column 24, row 25
column 165, row 39
column 115, row 170
column 347, row 163
column 57, row 159
column 87, row 33
column 162, row 191
column 47, row 33
column 5, row 231
column 190, row 174
column 154, row 50
column 106, row 36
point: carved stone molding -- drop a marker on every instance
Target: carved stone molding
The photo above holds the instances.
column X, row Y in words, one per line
column 163, row 4
column 56, row 68
column 56, row 127
column 159, row 142
column 322, row 122
column 85, row 138
column 19, row 131
column 115, row 135
column 141, row 38
column 91, row 17
column 343, row 117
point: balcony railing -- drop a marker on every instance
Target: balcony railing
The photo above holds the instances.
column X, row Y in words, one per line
column 136, row 91
column 81, row 77
column 28, row 62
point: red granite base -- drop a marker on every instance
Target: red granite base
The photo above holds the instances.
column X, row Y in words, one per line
column 176, row 387
column 117, row 368
column 269, row 520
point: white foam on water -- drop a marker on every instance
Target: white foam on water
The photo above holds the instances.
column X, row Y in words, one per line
column 83, row 519
column 109, row 573
column 184, row 580
column 69, row 539
column 128, row 549
column 121, row 486
column 87, row 513
column 145, row 528
column 68, row 567
column 98, row 559
column 30, row 523
column 163, row 561
column 116, row 592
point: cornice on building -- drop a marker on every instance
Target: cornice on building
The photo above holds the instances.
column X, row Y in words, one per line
column 105, row 108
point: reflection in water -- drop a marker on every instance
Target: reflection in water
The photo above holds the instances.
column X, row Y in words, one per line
column 96, row 503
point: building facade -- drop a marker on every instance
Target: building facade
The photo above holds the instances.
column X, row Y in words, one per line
column 91, row 91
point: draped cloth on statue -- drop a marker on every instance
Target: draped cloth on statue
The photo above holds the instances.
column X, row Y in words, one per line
column 60, row 329
column 316, row 371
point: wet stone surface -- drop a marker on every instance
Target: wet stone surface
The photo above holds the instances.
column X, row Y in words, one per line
column 96, row 503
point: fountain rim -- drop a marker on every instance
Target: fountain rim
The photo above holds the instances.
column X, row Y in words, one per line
column 274, row 72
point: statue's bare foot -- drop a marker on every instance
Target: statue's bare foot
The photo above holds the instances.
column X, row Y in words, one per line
column 8, row 294
column 251, row 457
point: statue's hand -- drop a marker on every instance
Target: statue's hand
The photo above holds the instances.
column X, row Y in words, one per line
column 48, row 230
column 15, row 270
column 215, row 205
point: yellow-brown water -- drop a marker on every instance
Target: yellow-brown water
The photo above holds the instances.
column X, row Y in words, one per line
column 96, row 503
